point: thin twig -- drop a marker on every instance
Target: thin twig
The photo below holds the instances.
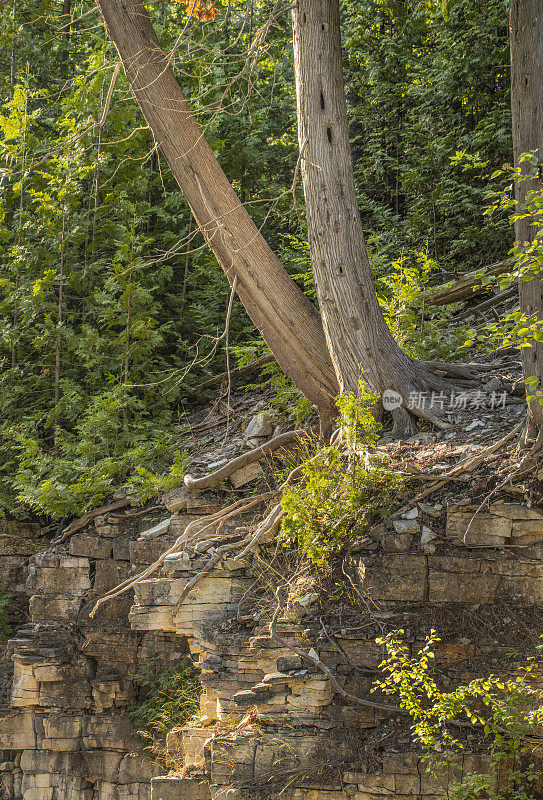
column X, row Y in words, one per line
column 226, row 344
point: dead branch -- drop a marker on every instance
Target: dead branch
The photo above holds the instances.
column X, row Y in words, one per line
column 250, row 457
column 234, row 373
column 424, row 476
column 486, row 304
column 141, row 513
column 83, row 521
column 465, row 287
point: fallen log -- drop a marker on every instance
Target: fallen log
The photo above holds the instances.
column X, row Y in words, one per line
column 486, row 304
column 467, row 286
column 249, row 457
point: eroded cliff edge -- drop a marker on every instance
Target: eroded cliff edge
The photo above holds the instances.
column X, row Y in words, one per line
column 269, row 726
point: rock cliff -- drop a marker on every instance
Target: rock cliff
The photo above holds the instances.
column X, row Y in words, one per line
column 271, row 724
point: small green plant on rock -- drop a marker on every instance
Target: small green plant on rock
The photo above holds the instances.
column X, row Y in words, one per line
column 344, row 486
column 496, row 716
column 170, row 698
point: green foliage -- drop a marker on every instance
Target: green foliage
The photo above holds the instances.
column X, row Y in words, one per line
column 421, row 331
column 344, row 488
column 502, row 713
column 102, row 293
column 5, row 627
column 423, row 82
column 102, row 456
column 169, row 699
column 517, row 328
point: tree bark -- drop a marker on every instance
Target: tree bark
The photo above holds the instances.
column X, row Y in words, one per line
column 526, row 38
column 287, row 320
column 357, row 334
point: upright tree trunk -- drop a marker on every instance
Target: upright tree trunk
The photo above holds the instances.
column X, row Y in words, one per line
column 287, row 320
column 357, row 334
column 526, row 36
column 58, row 337
column 12, row 72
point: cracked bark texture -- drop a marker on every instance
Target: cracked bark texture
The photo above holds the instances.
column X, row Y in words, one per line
column 356, row 332
column 287, row 320
column 526, row 37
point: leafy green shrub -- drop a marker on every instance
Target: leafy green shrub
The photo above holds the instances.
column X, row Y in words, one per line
column 170, row 699
column 503, row 714
column 422, row 331
column 102, row 456
column 343, row 488
column 516, row 327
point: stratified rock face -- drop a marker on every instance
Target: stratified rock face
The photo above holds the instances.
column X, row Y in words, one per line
column 63, row 732
column 271, row 725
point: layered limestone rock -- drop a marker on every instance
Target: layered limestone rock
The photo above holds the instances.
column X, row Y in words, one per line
column 272, row 727
column 63, row 730
column 271, row 724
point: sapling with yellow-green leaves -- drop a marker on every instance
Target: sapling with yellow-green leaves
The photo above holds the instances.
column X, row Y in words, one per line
column 345, row 486
column 500, row 714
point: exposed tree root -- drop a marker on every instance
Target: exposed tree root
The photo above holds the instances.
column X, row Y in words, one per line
column 186, row 539
column 469, row 371
column 308, row 657
column 267, row 526
column 83, row 521
column 214, row 478
column 316, row 662
column 194, row 533
column 466, row 466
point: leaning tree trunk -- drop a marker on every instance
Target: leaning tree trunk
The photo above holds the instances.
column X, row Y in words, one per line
column 526, row 36
column 357, row 334
column 287, row 320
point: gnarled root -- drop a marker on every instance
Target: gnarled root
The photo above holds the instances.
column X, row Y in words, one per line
column 191, row 535
column 214, row 478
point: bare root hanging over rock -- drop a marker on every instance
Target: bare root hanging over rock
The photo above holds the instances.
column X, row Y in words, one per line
column 258, row 453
